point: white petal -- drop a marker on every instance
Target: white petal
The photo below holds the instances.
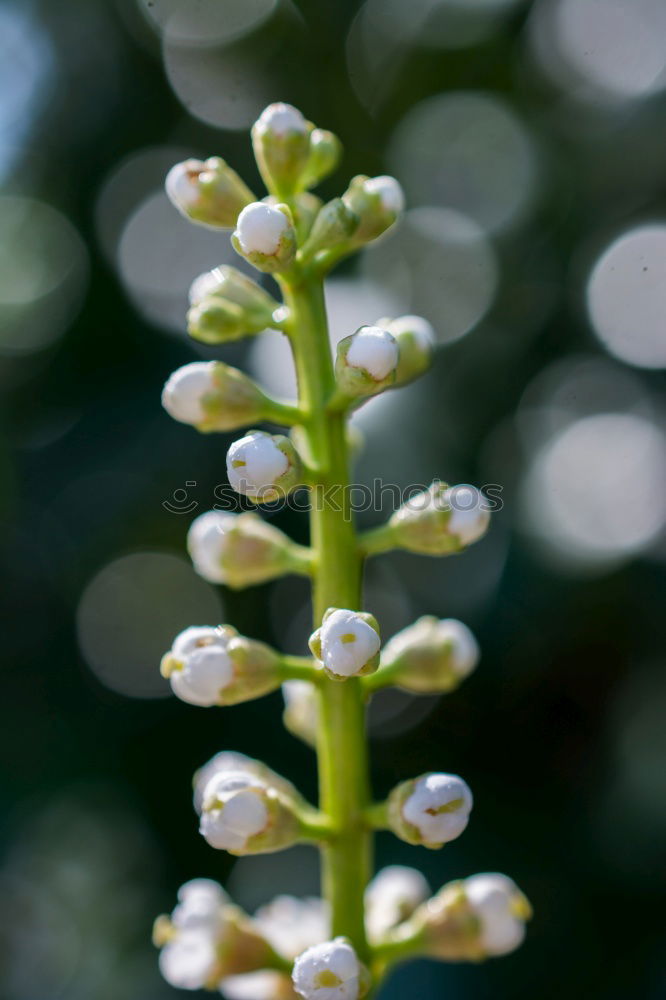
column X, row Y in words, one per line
column 392, row 896
column 189, row 960
column 374, row 350
column 430, row 794
column 261, row 463
column 389, row 191
column 204, row 285
column 181, row 182
column 183, row 391
column 260, row 228
column 281, row 119
column 418, row 326
column 491, row 896
column 291, row 925
column 200, row 903
column 315, row 967
column 347, row 643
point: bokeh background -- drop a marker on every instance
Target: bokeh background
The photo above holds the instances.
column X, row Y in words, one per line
column 530, row 142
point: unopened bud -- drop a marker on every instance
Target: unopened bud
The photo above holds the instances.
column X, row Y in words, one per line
column 473, row 919
column 377, row 201
column 216, row 666
column 392, row 896
column 325, row 151
column 431, row 810
column 432, row 655
column 231, row 761
column 347, row 643
column 226, row 304
column 330, row 971
column 265, row 467
column 441, row 520
column 416, row 342
column 281, row 142
column 212, row 396
column 265, row 236
column 241, row 550
column 334, row 224
column 366, row 362
column 243, row 815
column 209, row 192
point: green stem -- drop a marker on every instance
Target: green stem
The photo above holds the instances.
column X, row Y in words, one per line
column 341, row 743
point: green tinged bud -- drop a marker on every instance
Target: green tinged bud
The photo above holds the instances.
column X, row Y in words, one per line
column 366, row 362
column 334, row 224
column 325, row 152
column 377, row 201
column 281, row 142
column 440, row 520
column 265, row 236
column 227, row 305
column 208, row 192
column 429, row 657
column 416, row 343
column 213, row 396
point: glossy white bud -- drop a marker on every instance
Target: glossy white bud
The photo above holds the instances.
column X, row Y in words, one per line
column 209, row 191
column 347, row 643
column 374, row 351
column 185, row 389
column 329, row 971
column 441, row 519
column 199, row 666
column 189, row 961
column 263, row 466
column 261, row 228
column 201, row 903
column 234, row 810
column 431, row 810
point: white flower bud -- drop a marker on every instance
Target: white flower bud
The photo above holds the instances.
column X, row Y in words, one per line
column 474, row 919
column 301, row 710
column 374, row 351
column 226, row 304
column 240, row 550
column 431, row 810
column 430, row 656
column 441, row 519
column 392, row 896
column 416, row 342
column 198, row 665
column 281, row 119
column 347, row 643
column 209, row 192
column 265, row 236
column 216, row 666
column 281, row 142
column 366, row 362
column 501, row 909
column 330, row 971
column 212, row 396
column 377, row 201
column 389, row 191
column 189, row 961
column 232, row 762
column 242, row 815
column 233, row 810
column 260, row 228
column 265, row 467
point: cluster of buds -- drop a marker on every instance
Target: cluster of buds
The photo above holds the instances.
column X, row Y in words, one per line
column 293, row 948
